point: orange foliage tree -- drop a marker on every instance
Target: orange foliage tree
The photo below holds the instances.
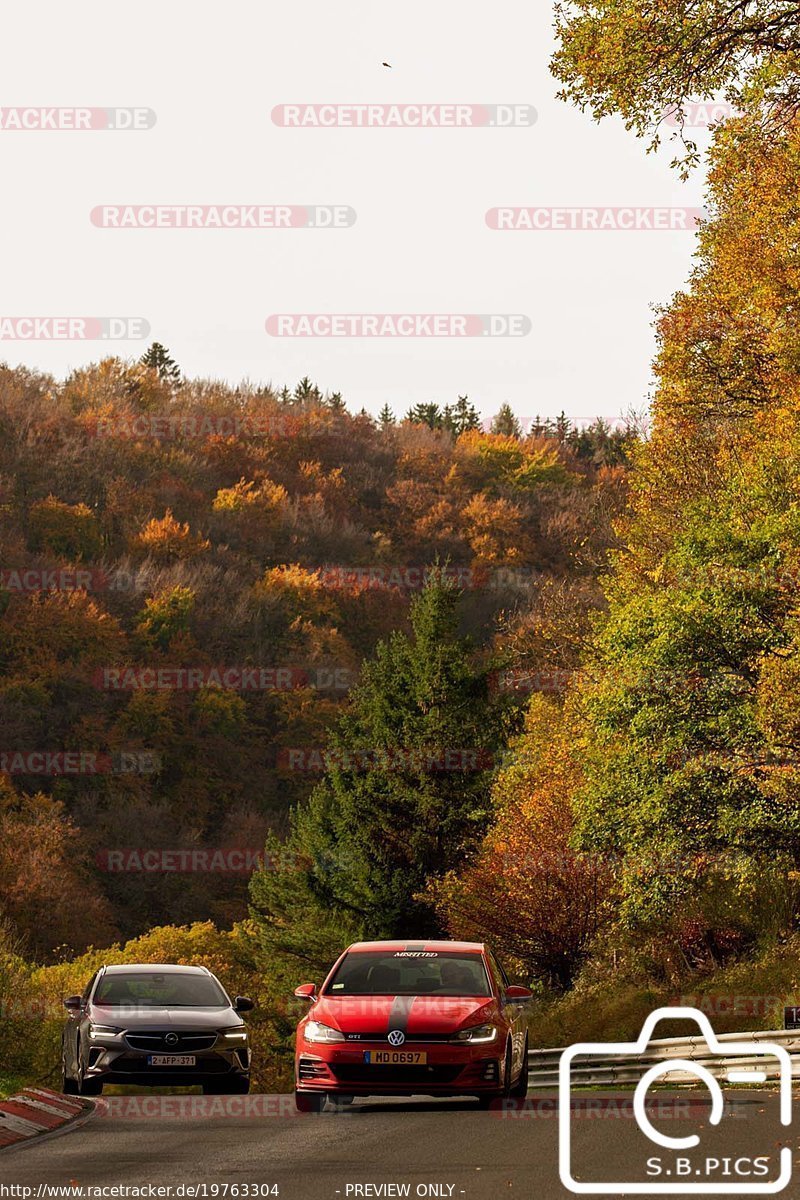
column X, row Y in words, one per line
column 46, row 892
column 539, row 902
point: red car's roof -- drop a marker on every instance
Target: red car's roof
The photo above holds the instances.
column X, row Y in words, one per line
column 419, row 944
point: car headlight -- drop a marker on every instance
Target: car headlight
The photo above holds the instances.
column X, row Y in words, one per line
column 478, row 1033
column 102, row 1032
column 315, row 1031
column 235, row 1033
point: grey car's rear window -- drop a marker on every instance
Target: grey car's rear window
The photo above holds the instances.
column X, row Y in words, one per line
column 166, row 989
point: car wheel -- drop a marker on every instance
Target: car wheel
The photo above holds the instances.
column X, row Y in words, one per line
column 90, row 1087
column 507, row 1069
column 68, row 1085
column 309, row 1102
column 85, row 1087
column 520, row 1089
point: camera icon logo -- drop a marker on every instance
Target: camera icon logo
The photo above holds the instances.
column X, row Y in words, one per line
column 679, row 1170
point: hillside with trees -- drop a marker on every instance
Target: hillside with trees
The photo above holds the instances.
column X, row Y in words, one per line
column 192, row 577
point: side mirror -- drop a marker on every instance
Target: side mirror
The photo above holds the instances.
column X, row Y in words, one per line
column 73, row 1004
column 518, row 995
column 243, row 1004
column 306, row 991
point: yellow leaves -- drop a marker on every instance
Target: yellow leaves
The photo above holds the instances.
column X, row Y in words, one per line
column 69, row 530
column 778, row 713
column 220, row 711
column 487, row 461
column 105, row 383
column 54, row 628
column 235, row 498
column 267, row 497
column 299, row 593
column 495, row 530
column 164, row 538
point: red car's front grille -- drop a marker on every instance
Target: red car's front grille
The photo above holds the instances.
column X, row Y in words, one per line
column 365, row 1073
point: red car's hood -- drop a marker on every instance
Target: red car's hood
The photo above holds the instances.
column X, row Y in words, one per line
column 413, row 1014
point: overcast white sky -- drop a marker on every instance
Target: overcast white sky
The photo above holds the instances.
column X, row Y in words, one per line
column 213, row 72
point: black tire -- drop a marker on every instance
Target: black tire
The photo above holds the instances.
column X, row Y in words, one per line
column 507, row 1067
column 85, row 1087
column 90, row 1087
column 520, row 1089
column 68, row 1085
column 309, row 1102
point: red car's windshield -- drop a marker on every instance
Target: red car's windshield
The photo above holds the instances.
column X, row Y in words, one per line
column 410, row 973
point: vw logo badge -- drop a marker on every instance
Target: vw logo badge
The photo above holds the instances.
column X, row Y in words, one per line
column 396, row 1037
column 171, row 1039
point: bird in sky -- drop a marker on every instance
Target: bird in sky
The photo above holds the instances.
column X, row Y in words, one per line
column 389, row 65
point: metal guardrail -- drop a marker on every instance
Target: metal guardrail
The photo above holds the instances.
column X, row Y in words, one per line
column 598, row 1071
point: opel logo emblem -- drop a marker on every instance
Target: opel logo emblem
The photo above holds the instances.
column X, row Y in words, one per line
column 396, row 1037
column 171, row 1039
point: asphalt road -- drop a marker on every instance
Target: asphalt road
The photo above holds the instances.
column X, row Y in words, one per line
column 468, row 1154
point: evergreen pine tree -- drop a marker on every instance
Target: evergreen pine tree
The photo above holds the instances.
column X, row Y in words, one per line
column 158, row 358
column 306, row 392
column 505, row 423
column 426, row 414
column 462, row 417
column 405, row 797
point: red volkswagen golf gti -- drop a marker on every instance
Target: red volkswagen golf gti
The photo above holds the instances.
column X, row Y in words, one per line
column 412, row 1018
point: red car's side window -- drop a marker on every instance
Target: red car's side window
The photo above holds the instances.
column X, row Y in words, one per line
column 495, row 973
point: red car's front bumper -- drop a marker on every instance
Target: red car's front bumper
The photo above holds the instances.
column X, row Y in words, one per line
column 448, row 1070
